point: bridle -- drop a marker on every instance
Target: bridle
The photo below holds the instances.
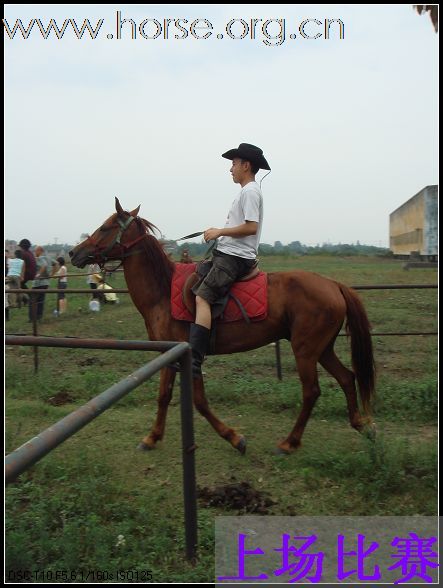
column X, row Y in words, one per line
column 99, row 255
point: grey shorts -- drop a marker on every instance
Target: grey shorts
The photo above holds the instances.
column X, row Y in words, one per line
column 225, row 270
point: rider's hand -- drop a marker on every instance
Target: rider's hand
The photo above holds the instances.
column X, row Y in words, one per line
column 211, row 234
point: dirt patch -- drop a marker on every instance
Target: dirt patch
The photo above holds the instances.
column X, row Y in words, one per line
column 60, row 398
column 91, row 361
column 240, row 496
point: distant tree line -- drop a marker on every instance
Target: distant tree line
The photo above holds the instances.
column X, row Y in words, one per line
column 55, row 248
column 294, row 248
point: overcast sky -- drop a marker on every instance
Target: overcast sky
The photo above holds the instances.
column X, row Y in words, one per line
column 348, row 126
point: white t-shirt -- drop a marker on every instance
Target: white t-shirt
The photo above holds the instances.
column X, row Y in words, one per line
column 248, row 206
column 61, row 274
column 15, row 266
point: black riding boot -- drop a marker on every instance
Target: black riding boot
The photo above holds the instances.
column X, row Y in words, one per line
column 199, row 341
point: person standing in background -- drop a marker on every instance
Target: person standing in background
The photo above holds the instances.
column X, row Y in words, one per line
column 62, row 283
column 16, row 272
column 186, row 258
column 93, row 268
column 6, row 261
column 29, row 259
column 30, row 265
column 6, row 285
column 41, row 282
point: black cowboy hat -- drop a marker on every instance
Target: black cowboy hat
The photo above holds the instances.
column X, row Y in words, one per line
column 250, row 153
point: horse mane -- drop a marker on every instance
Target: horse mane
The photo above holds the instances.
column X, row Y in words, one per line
column 162, row 267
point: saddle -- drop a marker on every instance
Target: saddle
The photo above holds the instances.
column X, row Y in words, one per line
column 247, row 299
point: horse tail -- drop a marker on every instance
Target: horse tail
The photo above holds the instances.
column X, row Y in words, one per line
column 359, row 328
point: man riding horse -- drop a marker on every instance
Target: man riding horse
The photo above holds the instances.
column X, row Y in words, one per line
column 235, row 253
column 304, row 308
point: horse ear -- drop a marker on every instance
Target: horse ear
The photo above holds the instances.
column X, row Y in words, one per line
column 134, row 213
column 118, row 207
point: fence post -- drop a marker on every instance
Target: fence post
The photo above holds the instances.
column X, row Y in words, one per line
column 33, row 303
column 278, row 359
column 189, row 485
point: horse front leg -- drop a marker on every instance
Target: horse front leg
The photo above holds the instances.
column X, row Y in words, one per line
column 201, row 404
column 167, row 379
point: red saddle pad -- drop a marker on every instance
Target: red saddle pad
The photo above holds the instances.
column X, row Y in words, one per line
column 251, row 294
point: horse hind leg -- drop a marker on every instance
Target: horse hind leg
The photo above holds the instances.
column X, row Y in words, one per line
column 167, row 379
column 346, row 380
column 201, row 404
column 307, row 371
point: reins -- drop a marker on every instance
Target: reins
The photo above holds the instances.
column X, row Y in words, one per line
column 198, row 234
column 100, row 256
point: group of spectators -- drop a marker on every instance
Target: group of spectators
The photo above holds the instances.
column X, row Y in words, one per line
column 35, row 269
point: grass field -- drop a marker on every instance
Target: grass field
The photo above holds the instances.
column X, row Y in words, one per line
column 95, row 503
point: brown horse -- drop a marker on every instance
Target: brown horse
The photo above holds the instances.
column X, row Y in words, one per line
column 305, row 308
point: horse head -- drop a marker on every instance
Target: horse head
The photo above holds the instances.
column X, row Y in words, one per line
column 106, row 242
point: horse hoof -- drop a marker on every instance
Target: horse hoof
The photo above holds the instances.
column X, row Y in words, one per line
column 370, row 431
column 145, row 447
column 241, row 446
column 280, row 451
column 285, row 448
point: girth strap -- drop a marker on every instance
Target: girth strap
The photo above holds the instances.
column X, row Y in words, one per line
column 241, row 307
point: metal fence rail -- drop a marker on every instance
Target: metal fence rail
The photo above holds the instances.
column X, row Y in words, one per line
column 81, row 343
column 32, row 451
column 126, row 291
column 277, row 344
column 395, row 287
